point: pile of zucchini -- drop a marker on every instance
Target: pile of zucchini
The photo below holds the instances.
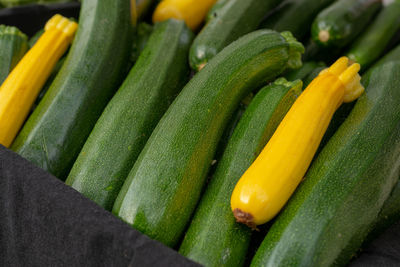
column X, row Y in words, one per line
column 157, row 122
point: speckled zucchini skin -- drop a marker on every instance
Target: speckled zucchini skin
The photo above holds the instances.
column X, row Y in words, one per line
column 214, row 238
column 13, row 46
column 232, row 20
column 343, row 21
column 128, row 120
column 164, row 185
column 336, row 205
column 95, row 66
column 373, row 41
column 295, row 16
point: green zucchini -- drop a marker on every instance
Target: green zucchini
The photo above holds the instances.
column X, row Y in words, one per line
column 143, row 32
column 390, row 212
column 57, row 129
column 336, row 205
column 341, row 22
column 128, row 120
column 164, row 185
column 295, row 16
column 373, row 41
column 304, row 71
column 234, row 19
column 214, row 238
column 213, row 12
column 13, row 46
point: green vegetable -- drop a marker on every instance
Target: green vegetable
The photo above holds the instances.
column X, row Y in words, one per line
column 341, row 22
column 304, row 71
column 233, row 20
column 128, row 120
column 143, row 32
column 13, row 46
column 214, row 11
column 373, row 41
column 57, row 129
column 337, row 203
column 163, row 187
column 295, row 16
column 214, row 238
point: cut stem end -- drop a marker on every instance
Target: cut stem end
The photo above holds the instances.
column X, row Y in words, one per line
column 245, row 218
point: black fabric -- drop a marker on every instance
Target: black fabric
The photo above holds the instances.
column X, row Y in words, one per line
column 43, row 222
column 383, row 251
column 31, row 18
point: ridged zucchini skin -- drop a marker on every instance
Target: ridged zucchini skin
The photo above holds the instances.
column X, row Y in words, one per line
column 373, row 41
column 233, row 20
column 341, row 22
column 128, row 120
column 214, row 238
column 334, row 208
column 295, row 16
column 13, row 46
column 57, row 129
column 164, row 185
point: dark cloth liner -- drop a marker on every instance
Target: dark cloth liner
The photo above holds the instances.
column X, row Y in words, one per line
column 43, row 222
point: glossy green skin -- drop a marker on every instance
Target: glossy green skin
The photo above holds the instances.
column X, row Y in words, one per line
column 344, row 20
column 333, row 209
column 373, row 41
column 57, row 129
column 304, row 71
column 295, row 16
column 233, row 20
column 214, row 238
column 128, row 120
column 13, row 46
column 164, row 185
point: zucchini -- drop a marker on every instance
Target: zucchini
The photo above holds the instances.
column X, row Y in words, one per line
column 215, row 9
column 295, row 16
column 57, row 129
column 304, row 71
column 143, row 32
column 341, row 22
column 164, row 185
column 333, row 209
column 128, row 120
column 234, row 19
column 13, row 46
column 373, row 41
column 214, row 238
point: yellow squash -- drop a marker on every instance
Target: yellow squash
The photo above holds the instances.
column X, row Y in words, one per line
column 22, row 86
column 269, row 182
column 193, row 12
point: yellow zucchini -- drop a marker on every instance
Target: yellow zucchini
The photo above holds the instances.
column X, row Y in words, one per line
column 266, row 186
column 193, row 12
column 22, row 86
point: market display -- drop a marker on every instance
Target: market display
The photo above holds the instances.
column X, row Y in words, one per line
column 197, row 122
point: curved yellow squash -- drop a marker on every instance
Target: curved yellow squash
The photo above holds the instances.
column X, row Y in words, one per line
column 22, row 86
column 269, row 182
column 193, row 12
